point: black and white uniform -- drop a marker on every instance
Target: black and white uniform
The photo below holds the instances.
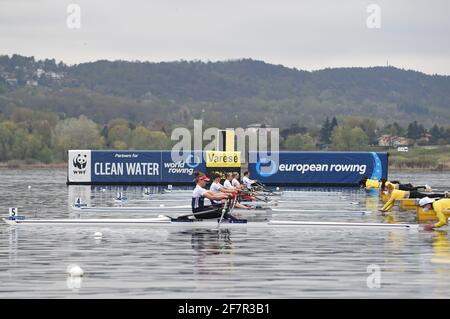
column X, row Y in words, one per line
column 227, row 184
column 248, row 182
column 199, row 209
column 215, row 188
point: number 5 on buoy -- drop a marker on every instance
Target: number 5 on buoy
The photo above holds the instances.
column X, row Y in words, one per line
column 12, row 211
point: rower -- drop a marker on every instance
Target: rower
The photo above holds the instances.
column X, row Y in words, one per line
column 403, row 187
column 365, row 182
column 199, row 210
column 235, row 180
column 399, row 194
column 438, row 206
column 249, row 183
column 227, row 183
column 216, row 187
column 231, row 181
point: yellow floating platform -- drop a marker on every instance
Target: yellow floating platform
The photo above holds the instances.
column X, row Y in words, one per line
column 407, row 204
column 429, row 215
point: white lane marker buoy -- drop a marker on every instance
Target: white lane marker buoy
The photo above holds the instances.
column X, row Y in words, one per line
column 75, row 271
column 98, row 235
column 278, row 188
column 29, row 186
column 161, row 205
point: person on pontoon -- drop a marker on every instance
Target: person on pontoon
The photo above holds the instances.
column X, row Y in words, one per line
column 365, row 182
column 368, row 183
column 395, row 194
column 199, row 209
column 403, row 187
column 438, row 206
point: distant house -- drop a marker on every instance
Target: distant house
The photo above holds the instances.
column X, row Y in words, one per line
column 425, row 138
column 39, row 72
column 54, row 75
column 393, row 141
column 11, row 80
column 32, row 83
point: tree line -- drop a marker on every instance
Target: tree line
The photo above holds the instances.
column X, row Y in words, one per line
column 230, row 93
column 359, row 133
column 37, row 136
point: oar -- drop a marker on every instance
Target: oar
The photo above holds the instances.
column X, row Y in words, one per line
column 229, row 208
column 224, row 209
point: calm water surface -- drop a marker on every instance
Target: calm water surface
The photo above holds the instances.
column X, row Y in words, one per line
column 138, row 262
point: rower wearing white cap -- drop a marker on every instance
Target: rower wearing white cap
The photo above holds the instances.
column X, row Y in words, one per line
column 438, row 206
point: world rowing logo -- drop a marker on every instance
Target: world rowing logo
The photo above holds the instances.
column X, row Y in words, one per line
column 193, row 161
column 266, row 167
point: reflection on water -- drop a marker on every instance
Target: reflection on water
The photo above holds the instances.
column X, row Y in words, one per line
column 143, row 262
column 441, row 248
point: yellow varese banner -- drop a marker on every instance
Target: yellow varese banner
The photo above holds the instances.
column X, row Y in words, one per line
column 223, row 159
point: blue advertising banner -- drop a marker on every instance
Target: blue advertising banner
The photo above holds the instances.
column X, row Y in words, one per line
column 129, row 167
column 156, row 167
column 125, row 166
column 330, row 168
column 181, row 171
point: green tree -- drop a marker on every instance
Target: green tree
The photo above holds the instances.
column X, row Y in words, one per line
column 394, row 129
column 325, row 132
column 369, row 127
column 118, row 131
column 7, row 138
column 415, row 130
column 300, row 142
column 436, row 133
column 38, row 123
column 76, row 133
column 333, row 124
column 144, row 139
column 17, row 143
column 347, row 138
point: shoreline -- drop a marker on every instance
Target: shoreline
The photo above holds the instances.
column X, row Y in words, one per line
column 16, row 165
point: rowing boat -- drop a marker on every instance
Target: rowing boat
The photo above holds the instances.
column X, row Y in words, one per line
column 429, row 215
column 129, row 208
column 407, row 203
column 187, row 208
column 164, row 221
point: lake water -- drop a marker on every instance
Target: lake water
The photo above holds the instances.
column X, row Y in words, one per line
column 140, row 262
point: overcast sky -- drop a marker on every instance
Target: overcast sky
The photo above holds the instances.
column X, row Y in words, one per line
column 310, row 35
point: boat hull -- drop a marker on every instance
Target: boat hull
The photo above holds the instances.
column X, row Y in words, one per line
column 166, row 222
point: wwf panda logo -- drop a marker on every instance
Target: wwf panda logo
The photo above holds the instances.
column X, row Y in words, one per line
column 80, row 161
